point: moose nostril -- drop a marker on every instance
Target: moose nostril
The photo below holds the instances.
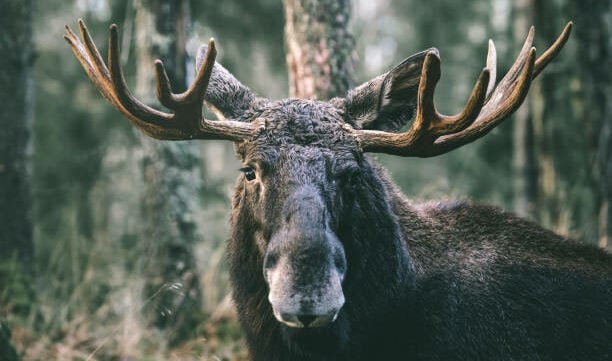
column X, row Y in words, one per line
column 306, row 320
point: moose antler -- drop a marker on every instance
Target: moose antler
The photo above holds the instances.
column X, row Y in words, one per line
column 185, row 123
column 433, row 133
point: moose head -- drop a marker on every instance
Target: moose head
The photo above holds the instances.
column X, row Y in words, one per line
column 305, row 165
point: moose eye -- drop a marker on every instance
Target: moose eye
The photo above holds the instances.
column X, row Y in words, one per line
column 249, row 173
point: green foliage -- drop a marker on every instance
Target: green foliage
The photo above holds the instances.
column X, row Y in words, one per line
column 16, row 294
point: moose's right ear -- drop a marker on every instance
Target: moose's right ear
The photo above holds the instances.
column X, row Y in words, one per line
column 225, row 95
column 388, row 101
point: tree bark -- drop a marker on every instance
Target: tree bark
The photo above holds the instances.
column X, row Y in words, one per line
column 543, row 101
column 16, row 248
column 172, row 175
column 319, row 48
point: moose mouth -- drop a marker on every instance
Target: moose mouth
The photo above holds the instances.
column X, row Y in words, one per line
column 313, row 340
column 306, row 320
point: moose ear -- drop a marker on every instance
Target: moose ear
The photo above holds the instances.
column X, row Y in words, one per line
column 388, row 101
column 225, row 95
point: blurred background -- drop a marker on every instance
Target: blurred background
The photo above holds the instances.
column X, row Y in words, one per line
column 113, row 244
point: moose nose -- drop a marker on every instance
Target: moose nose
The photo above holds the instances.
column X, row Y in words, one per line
column 308, row 320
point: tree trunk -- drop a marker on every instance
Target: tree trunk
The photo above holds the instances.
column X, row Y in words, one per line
column 525, row 173
column 594, row 59
column 319, row 48
column 16, row 249
column 172, row 175
column 543, row 105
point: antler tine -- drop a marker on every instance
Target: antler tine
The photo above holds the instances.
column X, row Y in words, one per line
column 88, row 55
column 163, row 90
column 433, row 134
column 476, row 101
column 492, row 66
column 427, row 118
column 198, row 89
column 498, row 93
column 515, row 69
column 195, row 93
column 554, row 49
column 426, row 110
column 186, row 122
column 136, row 109
column 98, row 76
column 91, row 49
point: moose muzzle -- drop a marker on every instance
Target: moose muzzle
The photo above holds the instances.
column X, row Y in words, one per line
column 305, row 264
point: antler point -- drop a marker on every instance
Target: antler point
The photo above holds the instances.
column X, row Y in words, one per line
column 568, row 27
column 431, row 55
column 211, row 46
column 69, row 33
column 82, row 25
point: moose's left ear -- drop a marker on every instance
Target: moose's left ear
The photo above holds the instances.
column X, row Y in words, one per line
column 225, row 95
column 388, row 101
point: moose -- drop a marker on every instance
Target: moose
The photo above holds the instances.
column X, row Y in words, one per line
column 330, row 261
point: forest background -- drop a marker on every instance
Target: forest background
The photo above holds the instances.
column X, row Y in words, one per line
column 112, row 245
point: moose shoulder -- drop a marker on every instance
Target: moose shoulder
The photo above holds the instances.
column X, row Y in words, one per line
column 329, row 261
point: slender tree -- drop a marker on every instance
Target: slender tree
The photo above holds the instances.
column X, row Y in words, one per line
column 172, row 176
column 319, row 48
column 16, row 249
column 525, row 173
column 594, row 100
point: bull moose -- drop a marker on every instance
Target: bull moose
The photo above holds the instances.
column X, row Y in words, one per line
column 330, row 261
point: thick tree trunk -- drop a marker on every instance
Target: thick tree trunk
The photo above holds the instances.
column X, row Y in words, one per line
column 594, row 59
column 319, row 48
column 172, row 175
column 525, row 173
column 16, row 249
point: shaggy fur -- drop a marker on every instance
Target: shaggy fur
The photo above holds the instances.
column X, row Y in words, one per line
column 458, row 282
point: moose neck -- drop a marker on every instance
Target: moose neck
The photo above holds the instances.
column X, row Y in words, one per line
column 380, row 270
column 375, row 244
